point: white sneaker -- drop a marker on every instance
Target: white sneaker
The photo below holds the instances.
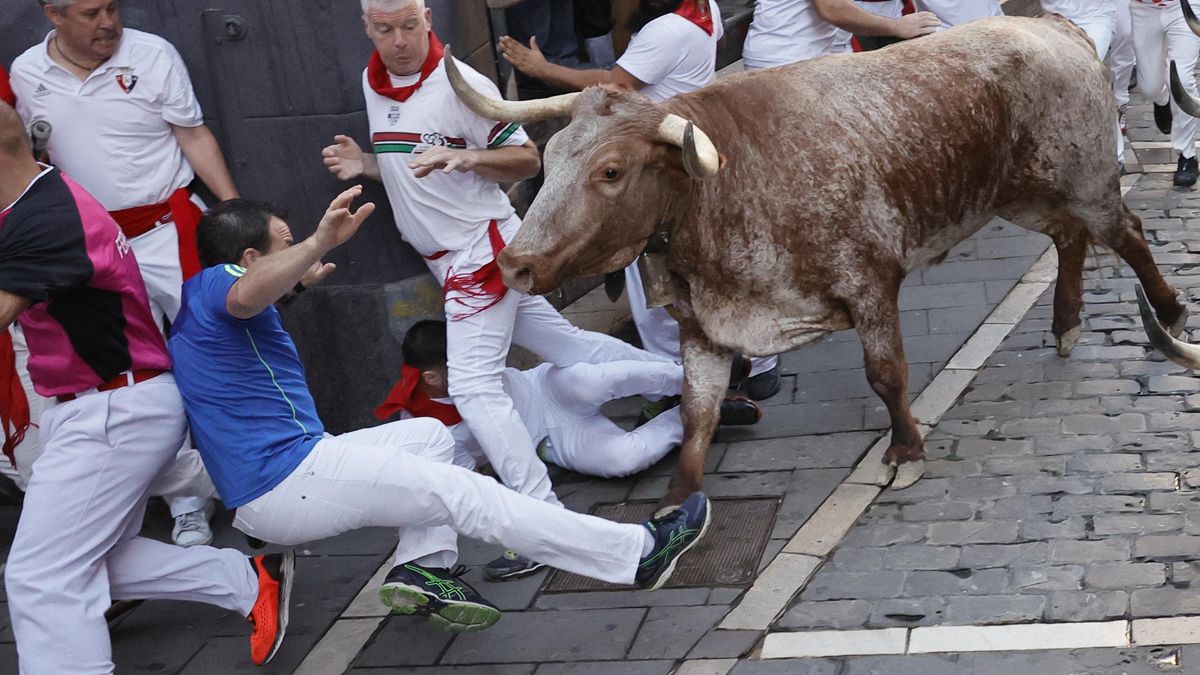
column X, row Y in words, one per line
column 191, row 529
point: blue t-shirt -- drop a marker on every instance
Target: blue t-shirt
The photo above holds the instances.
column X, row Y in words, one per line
column 252, row 417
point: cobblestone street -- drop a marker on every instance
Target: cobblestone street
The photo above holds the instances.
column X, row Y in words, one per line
column 1057, row 492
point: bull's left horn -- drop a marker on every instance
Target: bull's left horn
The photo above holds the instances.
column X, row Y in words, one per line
column 700, row 157
column 1183, row 99
column 1190, row 17
column 1177, row 350
column 501, row 110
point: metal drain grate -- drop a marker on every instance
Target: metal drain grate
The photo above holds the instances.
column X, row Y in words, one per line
column 727, row 556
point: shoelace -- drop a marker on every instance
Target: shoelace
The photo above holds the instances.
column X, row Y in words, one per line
column 190, row 522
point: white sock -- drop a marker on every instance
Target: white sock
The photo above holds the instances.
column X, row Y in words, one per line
column 647, row 542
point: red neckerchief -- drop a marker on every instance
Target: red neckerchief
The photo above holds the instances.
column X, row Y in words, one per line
column 14, row 407
column 692, row 11
column 406, row 395
column 381, row 81
column 478, row 290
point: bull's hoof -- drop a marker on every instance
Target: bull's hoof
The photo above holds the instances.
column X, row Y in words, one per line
column 1067, row 341
column 908, row 473
column 884, row 474
column 1176, row 329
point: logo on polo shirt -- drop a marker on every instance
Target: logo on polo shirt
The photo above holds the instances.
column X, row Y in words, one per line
column 393, row 115
column 126, row 80
column 41, row 90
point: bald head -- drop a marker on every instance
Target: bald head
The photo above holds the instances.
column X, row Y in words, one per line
column 14, row 142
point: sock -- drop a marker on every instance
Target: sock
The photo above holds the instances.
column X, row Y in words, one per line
column 647, row 542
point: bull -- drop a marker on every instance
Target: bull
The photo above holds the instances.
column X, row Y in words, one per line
column 791, row 202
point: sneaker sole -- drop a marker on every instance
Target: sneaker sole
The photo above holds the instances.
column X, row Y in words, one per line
column 456, row 617
column 528, row 571
column 287, row 572
column 670, row 568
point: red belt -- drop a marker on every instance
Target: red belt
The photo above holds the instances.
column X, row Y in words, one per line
column 125, row 379
column 180, row 208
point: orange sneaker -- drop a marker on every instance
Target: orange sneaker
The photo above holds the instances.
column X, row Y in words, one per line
column 269, row 617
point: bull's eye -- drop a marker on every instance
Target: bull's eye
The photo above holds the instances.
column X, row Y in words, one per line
column 611, row 173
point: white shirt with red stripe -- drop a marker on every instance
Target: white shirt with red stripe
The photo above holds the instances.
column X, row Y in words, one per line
column 442, row 211
column 672, row 55
column 112, row 131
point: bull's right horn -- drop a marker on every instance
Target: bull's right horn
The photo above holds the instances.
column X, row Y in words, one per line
column 1190, row 17
column 700, row 157
column 1176, row 350
column 501, row 110
column 1183, row 99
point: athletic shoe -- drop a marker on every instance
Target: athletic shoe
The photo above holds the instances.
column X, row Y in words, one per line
column 1162, row 117
column 653, row 409
column 764, row 385
column 510, row 565
column 438, row 594
column 269, row 618
column 1186, row 172
column 675, row 533
column 192, row 529
column 739, row 411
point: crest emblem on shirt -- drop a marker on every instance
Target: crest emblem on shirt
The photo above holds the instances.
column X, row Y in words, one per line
column 393, row 115
column 127, row 81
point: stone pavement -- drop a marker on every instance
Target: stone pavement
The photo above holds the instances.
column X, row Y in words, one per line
column 1058, row 490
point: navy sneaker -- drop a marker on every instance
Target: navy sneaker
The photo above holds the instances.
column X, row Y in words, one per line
column 1186, row 172
column 675, row 533
column 437, row 593
column 653, row 409
column 510, row 565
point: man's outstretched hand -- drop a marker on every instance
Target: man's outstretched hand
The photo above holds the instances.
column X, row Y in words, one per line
column 339, row 222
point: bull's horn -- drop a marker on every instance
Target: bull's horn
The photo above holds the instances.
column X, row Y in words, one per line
column 1190, row 17
column 1183, row 99
column 1177, row 350
column 501, row 110
column 700, row 157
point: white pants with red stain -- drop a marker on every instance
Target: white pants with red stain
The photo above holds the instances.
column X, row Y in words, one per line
column 476, row 350
column 584, row 440
column 1161, row 35
column 400, row 475
column 660, row 331
column 76, row 546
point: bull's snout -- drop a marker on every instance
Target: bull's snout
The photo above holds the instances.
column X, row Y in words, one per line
column 515, row 272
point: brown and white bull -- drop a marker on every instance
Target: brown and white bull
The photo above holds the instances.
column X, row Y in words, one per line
column 823, row 185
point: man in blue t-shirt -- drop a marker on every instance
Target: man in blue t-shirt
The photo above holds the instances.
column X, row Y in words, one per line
column 256, row 427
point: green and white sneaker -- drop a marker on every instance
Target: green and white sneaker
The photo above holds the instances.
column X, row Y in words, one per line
column 675, row 533
column 437, row 593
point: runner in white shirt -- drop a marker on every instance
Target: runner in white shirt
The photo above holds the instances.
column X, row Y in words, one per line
column 891, row 9
column 1161, row 35
column 127, row 126
column 673, row 51
column 560, row 405
column 957, row 12
column 787, row 31
column 440, row 164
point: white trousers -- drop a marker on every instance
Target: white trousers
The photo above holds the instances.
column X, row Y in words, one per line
column 1121, row 54
column 184, row 485
column 586, row 441
column 476, row 350
column 1161, row 35
column 660, row 331
column 399, row 475
column 76, row 547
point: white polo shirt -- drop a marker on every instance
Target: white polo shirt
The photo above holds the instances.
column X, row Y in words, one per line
column 442, row 211
column 673, row 55
column 787, row 31
column 958, row 12
column 112, row 131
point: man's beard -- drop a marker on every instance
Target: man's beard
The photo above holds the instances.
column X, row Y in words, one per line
column 649, row 10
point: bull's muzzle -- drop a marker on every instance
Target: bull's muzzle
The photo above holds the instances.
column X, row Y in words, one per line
column 515, row 271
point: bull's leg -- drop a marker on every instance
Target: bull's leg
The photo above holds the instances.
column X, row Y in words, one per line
column 1129, row 243
column 1071, row 243
column 706, row 377
column 876, row 316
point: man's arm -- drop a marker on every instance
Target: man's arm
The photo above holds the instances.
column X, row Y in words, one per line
column 274, row 275
column 202, row 152
column 529, row 60
column 11, row 306
column 850, row 17
column 506, row 164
